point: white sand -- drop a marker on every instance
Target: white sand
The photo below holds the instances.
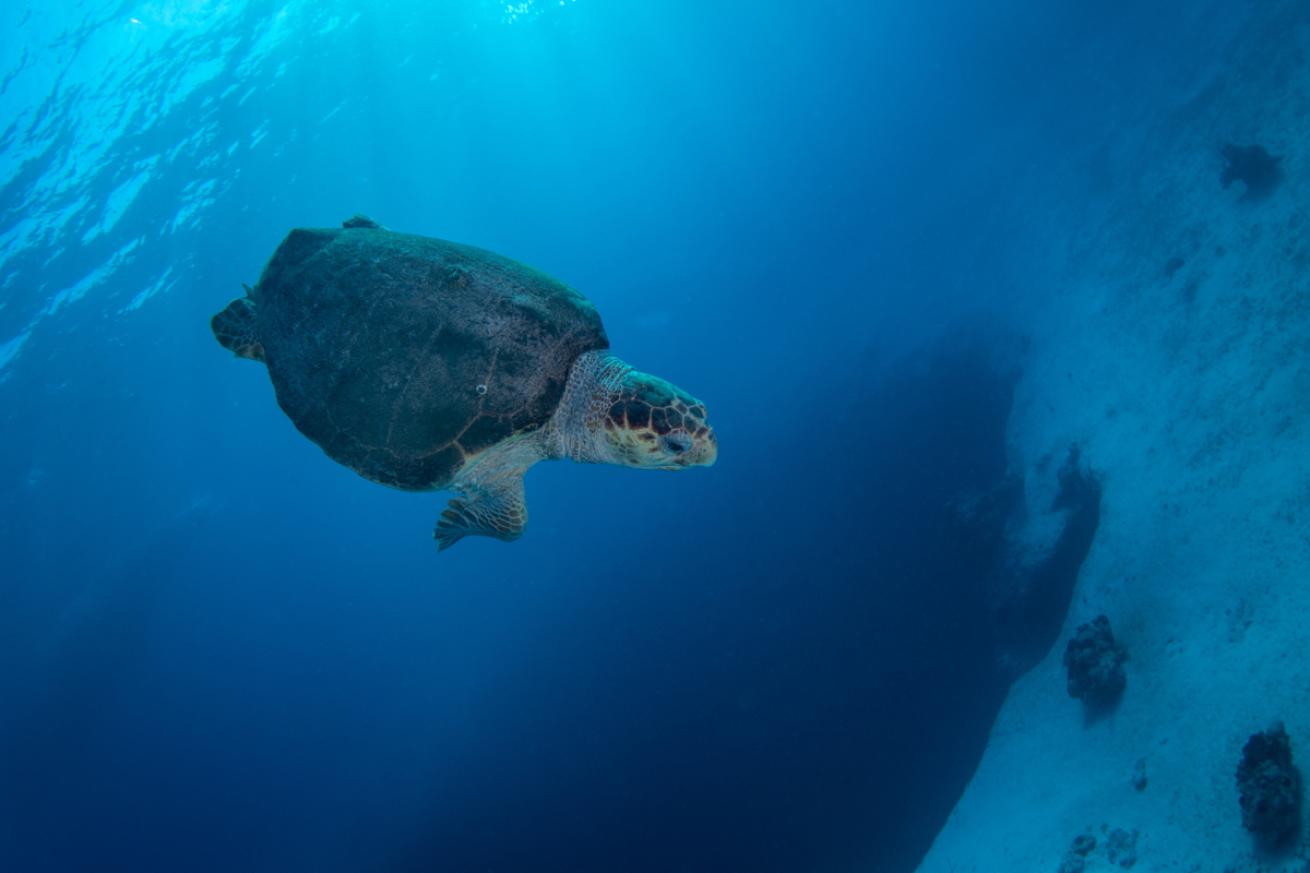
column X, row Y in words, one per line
column 1197, row 414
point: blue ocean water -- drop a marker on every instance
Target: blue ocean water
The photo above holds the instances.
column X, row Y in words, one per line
column 219, row 650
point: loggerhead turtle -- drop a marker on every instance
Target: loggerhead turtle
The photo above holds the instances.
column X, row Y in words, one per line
column 424, row 364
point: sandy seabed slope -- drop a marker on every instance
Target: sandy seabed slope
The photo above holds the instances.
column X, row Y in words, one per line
column 1188, row 388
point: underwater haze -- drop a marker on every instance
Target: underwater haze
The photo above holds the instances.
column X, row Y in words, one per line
column 220, row 650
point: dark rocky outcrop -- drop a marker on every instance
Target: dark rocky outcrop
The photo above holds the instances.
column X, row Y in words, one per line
column 1269, row 787
column 1253, row 166
column 1031, row 600
column 1095, row 663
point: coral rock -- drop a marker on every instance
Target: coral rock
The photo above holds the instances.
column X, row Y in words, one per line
column 1269, row 786
column 1095, row 663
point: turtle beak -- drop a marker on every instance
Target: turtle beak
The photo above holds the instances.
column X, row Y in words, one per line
column 704, row 451
column 699, row 449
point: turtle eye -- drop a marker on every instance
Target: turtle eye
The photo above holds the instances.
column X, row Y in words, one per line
column 677, row 443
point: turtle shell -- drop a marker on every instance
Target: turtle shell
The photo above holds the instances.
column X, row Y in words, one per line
column 404, row 356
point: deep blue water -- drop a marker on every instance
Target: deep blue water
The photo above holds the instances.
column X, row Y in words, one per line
column 221, row 651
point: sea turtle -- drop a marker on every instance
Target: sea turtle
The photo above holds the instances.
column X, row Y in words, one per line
column 425, row 364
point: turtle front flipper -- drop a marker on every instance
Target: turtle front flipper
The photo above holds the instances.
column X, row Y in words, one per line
column 497, row 511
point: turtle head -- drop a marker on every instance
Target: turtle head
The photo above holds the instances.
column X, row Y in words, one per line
column 652, row 424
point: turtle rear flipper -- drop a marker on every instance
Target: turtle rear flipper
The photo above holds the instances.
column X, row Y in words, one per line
column 236, row 328
column 498, row 511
